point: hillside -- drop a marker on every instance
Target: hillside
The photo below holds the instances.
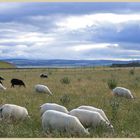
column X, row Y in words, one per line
column 27, row 63
column 4, row 64
column 130, row 64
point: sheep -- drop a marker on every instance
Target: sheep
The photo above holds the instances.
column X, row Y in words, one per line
column 91, row 108
column 13, row 112
column 62, row 122
column 120, row 91
column 52, row 106
column 90, row 118
column 17, row 82
column 2, row 87
column 42, row 89
column 43, row 75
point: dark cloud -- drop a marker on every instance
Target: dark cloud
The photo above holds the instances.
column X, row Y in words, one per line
column 16, row 11
column 113, row 53
column 108, row 32
column 26, row 29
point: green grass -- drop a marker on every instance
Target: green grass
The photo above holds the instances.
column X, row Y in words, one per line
column 87, row 86
column 6, row 65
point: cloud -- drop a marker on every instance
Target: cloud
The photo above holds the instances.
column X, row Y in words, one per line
column 72, row 22
column 84, row 47
column 70, row 31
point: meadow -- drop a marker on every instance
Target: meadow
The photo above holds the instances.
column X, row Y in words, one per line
column 73, row 87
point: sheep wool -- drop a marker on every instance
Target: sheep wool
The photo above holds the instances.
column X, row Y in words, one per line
column 120, row 91
column 91, row 108
column 89, row 118
column 15, row 112
column 55, row 120
column 52, row 106
column 42, row 89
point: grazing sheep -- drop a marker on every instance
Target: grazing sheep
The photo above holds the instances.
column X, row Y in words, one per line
column 91, row 108
column 90, row 118
column 2, row 87
column 120, row 91
column 13, row 112
column 62, row 122
column 17, row 82
column 52, row 106
column 43, row 75
column 42, row 89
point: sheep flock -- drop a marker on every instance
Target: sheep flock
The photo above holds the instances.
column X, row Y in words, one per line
column 55, row 117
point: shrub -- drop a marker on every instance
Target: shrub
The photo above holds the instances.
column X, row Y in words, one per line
column 65, row 80
column 50, row 72
column 65, row 99
column 79, row 79
column 132, row 72
column 137, row 79
column 112, row 83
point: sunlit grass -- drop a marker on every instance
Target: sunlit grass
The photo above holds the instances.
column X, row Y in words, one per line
column 6, row 65
column 87, row 86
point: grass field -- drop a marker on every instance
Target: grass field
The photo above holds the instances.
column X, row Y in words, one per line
column 6, row 65
column 82, row 86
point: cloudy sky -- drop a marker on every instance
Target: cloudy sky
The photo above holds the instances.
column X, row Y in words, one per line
column 36, row 30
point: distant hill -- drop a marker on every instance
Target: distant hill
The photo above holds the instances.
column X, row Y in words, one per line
column 130, row 64
column 59, row 63
column 4, row 64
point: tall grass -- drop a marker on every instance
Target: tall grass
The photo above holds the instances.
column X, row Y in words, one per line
column 112, row 82
column 82, row 90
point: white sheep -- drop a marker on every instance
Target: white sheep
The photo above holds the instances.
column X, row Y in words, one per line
column 62, row 122
column 2, row 87
column 52, row 106
column 13, row 112
column 42, row 89
column 91, row 108
column 90, row 118
column 120, row 91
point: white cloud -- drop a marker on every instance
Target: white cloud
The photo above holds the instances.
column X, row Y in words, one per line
column 31, row 37
column 84, row 21
column 85, row 47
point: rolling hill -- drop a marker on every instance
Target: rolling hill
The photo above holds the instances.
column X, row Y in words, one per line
column 59, row 63
column 4, row 64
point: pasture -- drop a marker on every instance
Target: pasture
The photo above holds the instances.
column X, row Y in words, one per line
column 4, row 64
column 73, row 87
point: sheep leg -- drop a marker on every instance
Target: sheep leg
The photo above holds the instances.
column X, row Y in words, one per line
column 12, row 85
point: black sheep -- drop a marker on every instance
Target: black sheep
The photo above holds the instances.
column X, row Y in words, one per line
column 17, row 82
column 1, row 78
column 43, row 75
